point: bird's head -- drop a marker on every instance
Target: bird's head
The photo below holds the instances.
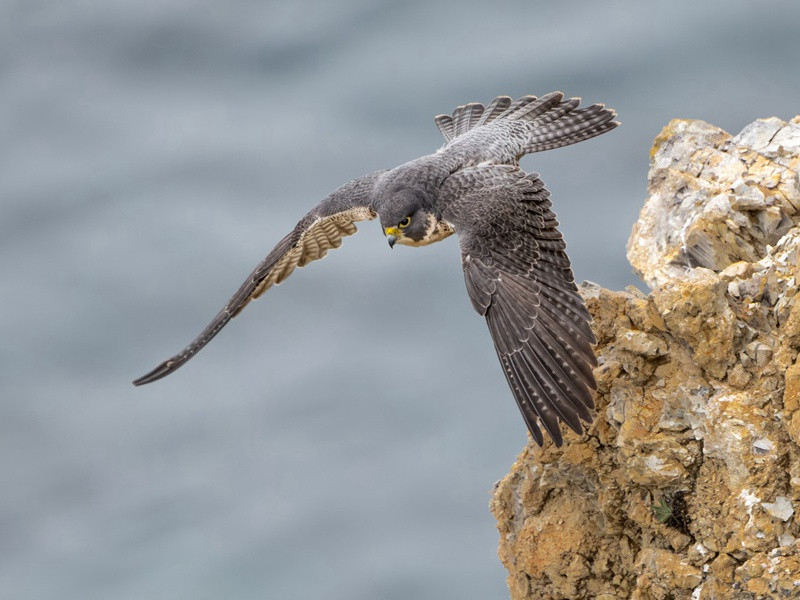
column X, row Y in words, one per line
column 407, row 220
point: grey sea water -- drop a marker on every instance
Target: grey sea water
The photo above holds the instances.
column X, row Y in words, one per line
column 341, row 437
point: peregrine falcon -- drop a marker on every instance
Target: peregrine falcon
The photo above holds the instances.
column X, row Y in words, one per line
column 517, row 273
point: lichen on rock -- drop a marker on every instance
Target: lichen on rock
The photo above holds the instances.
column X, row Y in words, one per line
column 698, row 400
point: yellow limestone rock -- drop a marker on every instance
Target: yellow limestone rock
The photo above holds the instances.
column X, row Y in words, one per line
column 687, row 485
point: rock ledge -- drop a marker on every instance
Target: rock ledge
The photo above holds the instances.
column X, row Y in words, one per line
column 688, row 483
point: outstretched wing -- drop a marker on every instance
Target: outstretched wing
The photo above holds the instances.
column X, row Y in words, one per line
column 519, row 277
column 320, row 230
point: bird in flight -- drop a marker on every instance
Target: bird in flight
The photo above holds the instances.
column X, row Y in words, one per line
column 517, row 273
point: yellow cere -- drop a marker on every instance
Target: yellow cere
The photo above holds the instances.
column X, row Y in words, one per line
column 392, row 231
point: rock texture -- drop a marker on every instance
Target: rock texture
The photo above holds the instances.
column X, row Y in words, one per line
column 688, row 483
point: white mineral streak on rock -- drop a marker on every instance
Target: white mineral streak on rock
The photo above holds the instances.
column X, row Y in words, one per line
column 780, row 509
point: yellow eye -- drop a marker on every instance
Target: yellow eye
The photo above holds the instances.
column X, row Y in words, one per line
column 404, row 223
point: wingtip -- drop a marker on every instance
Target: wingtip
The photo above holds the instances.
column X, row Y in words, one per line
column 160, row 371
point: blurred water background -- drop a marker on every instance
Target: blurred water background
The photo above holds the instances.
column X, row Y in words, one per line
column 340, row 439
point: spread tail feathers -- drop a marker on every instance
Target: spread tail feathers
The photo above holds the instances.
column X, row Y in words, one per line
column 552, row 120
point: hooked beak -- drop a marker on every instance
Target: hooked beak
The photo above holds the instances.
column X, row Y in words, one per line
column 391, row 235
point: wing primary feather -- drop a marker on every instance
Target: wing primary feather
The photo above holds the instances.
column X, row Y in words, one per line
column 523, row 402
column 559, row 400
column 535, row 395
column 571, row 362
column 172, row 364
column 578, row 319
column 577, row 354
column 580, row 397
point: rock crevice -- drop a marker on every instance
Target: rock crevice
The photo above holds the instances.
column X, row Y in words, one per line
column 687, row 484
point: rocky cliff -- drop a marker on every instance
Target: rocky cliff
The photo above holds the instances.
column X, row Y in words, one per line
column 688, row 483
